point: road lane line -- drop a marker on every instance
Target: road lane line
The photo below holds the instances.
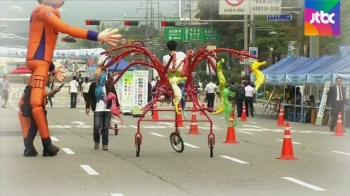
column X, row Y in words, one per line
column 156, row 134
column 252, row 122
column 116, row 194
column 341, row 152
column 89, row 170
column 297, row 143
column 310, row 186
column 54, row 139
column 251, row 126
column 68, row 151
column 234, row 159
column 190, row 145
column 133, row 126
column 166, row 116
column 246, row 132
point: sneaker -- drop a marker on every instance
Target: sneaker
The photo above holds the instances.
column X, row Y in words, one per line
column 105, row 147
column 97, row 145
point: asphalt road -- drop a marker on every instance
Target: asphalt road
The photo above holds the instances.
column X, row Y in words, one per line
column 247, row 168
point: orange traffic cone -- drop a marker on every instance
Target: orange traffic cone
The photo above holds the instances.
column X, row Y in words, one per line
column 202, row 113
column 194, row 125
column 244, row 114
column 339, row 128
column 231, row 135
column 280, row 121
column 155, row 116
column 287, row 148
column 179, row 121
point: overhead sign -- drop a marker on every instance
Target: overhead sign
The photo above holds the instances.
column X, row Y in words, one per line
column 279, row 18
column 191, row 34
column 322, row 18
column 171, row 18
column 58, row 54
column 250, row 7
column 253, row 51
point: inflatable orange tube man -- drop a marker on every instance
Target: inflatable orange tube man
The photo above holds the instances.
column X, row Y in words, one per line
column 45, row 24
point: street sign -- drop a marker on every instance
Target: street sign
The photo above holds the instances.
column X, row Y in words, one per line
column 279, row 18
column 171, row 18
column 244, row 61
column 177, row 34
column 253, row 51
column 250, row 7
column 190, row 34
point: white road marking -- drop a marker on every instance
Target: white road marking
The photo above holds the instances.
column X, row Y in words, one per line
column 252, row 122
column 89, row 170
column 246, row 132
column 54, row 139
column 257, row 127
column 165, row 123
column 310, row 186
column 190, row 145
column 17, row 109
column 62, row 103
column 133, row 126
column 117, row 121
column 166, row 116
column 68, row 151
column 341, row 152
column 156, row 134
column 116, row 194
column 234, row 159
column 292, row 142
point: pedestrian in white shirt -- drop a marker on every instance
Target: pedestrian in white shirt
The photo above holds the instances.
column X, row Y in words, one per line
column 209, row 92
column 180, row 56
column 73, row 92
column 249, row 99
column 85, row 88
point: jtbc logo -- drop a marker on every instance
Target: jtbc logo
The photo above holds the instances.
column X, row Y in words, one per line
column 322, row 18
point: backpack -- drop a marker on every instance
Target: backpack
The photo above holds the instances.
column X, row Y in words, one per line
column 240, row 92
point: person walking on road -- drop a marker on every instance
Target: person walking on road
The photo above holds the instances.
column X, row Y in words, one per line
column 249, row 99
column 4, row 91
column 240, row 96
column 209, row 92
column 85, row 88
column 337, row 97
column 73, row 92
column 49, row 87
column 101, row 109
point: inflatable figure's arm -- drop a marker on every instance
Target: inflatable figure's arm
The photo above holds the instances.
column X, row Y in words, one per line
column 58, row 71
column 46, row 13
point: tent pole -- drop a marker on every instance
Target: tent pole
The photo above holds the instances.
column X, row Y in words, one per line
column 302, row 104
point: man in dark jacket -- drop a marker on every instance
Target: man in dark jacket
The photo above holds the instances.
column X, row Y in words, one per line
column 102, row 113
column 337, row 97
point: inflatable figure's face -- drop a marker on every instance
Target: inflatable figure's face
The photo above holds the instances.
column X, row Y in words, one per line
column 53, row 3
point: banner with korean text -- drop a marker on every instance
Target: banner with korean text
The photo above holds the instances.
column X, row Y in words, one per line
column 127, row 92
column 140, row 90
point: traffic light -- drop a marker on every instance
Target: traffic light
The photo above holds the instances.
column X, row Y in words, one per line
column 131, row 23
column 69, row 39
column 168, row 24
column 92, row 22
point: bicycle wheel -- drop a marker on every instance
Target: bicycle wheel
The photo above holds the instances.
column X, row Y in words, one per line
column 177, row 142
column 116, row 129
column 138, row 146
column 211, row 147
